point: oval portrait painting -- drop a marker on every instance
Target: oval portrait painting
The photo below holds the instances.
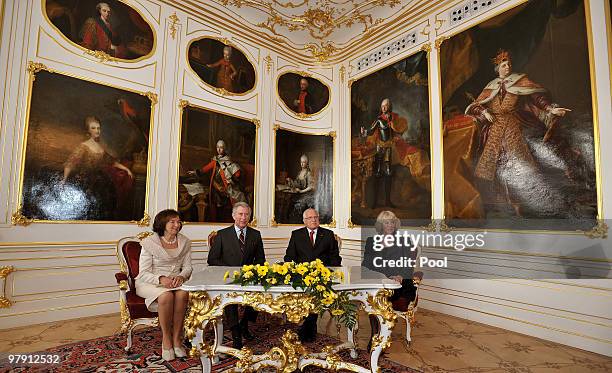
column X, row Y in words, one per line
column 222, row 66
column 108, row 26
column 303, row 95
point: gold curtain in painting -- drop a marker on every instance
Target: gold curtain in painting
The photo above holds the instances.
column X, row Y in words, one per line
column 462, row 199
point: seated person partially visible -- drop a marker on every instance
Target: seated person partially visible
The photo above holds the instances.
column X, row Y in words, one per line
column 388, row 224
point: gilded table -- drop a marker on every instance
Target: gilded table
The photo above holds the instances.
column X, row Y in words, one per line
column 209, row 294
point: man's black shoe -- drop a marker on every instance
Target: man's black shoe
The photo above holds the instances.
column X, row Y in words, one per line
column 306, row 336
column 311, row 338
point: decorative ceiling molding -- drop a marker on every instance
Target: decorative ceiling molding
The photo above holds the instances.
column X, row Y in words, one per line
column 320, row 18
column 322, row 27
column 285, row 26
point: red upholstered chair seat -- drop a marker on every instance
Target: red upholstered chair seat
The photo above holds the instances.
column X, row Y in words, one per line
column 137, row 306
column 134, row 312
column 400, row 304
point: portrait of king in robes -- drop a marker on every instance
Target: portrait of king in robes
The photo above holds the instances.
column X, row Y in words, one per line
column 518, row 121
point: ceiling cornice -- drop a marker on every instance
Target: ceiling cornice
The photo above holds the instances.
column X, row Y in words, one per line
column 317, row 51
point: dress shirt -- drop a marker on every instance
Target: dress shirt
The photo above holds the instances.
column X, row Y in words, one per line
column 244, row 230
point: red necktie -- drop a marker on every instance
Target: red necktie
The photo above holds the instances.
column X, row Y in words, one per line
column 312, row 238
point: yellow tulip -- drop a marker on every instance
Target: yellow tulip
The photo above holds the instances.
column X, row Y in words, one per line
column 262, row 271
column 226, row 275
column 301, row 269
column 308, row 280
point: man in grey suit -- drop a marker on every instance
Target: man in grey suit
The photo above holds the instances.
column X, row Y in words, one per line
column 236, row 246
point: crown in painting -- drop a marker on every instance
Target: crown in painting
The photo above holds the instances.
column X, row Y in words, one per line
column 502, row 55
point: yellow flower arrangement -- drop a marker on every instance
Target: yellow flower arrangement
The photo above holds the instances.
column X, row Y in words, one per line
column 314, row 278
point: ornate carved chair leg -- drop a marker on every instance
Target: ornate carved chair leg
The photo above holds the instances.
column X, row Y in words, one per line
column 128, row 346
column 408, row 329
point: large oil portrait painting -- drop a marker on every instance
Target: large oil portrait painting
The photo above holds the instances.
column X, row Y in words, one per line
column 518, row 121
column 304, row 176
column 302, row 94
column 108, row 26
column 216, row 165
column 222, row 66
column 390, row 162
column 87, row 151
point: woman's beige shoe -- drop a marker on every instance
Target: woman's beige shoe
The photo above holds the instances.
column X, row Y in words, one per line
column 167, row 355
column 179, row 352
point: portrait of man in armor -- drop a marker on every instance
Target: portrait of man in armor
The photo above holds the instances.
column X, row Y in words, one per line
column 390, row 163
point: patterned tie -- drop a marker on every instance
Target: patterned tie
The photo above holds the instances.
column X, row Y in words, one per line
column 312, row 238
column 242, row 243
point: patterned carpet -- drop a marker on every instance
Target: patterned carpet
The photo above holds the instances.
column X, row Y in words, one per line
column 106, row 354
column 440, row 344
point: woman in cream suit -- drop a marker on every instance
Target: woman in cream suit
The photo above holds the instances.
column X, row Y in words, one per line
column 165, row 264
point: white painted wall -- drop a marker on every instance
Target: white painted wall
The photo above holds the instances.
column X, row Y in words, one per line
column 67, row 270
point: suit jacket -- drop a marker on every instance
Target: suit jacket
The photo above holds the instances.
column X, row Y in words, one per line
column 155, row 261
column 225, row 250
column 392, row 253
column 325, row 247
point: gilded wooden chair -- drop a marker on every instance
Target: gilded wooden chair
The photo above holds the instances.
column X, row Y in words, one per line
column 134, row 312
column 406, row 308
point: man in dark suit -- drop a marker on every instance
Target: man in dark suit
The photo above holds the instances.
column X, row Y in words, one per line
column 236, row 246
column 308, row 244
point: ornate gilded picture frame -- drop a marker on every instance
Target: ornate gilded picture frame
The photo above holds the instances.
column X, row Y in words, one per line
column 217, row 164
column 390, row 143
column 302, row 94
column 108, row 30
column 304, row 176
column 519, row 121
column 222, row 65
column 86, row 151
